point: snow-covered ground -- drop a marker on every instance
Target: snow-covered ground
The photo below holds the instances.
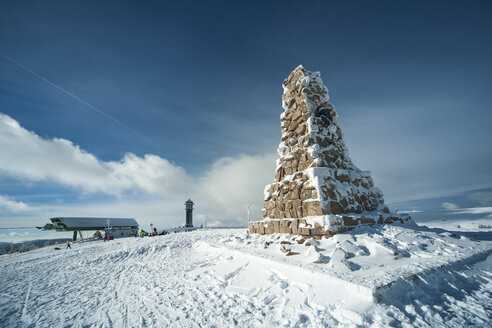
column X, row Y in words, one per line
column 398, row 275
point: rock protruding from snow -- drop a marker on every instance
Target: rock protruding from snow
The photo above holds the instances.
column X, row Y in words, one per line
column 314, row 174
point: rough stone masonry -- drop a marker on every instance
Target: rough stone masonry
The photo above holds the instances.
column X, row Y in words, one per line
column 317, row 189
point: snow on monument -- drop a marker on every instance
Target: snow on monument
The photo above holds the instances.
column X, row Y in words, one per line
column 317, row 189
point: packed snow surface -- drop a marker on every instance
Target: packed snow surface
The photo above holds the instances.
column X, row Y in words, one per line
column 373, row 276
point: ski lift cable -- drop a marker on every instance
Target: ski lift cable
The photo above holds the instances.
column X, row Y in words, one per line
column 65, row 91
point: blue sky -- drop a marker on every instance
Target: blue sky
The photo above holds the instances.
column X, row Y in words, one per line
column 201, row 81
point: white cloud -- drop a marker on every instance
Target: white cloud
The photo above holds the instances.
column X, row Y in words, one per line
column 221, row 194
column 234, row 182
column 7, row 204
column 151, row 173
column 449, row 206
column 25, row 155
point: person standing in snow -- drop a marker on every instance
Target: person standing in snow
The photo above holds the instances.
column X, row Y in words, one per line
column 68, row 246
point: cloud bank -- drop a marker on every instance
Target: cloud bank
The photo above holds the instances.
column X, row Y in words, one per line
column 222, row 192
column 25, row 155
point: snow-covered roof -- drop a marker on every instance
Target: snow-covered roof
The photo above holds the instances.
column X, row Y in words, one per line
column 81, row 223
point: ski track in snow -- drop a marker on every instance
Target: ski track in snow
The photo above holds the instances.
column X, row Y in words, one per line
column 24, row 308
column 215, row 278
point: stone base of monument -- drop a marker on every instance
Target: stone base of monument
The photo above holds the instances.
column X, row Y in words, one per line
column 322, row 226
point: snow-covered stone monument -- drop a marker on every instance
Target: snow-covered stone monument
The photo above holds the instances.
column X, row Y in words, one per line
column 317, row 190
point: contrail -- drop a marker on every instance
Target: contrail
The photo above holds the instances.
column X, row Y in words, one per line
column 94, row 108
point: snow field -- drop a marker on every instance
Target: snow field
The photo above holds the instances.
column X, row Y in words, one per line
column 386, row 276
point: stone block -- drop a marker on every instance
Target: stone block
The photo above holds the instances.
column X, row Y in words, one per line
column 281, row 207
column 251, row 228
column 365, row 220
column 318, row 231
column 330, row 233
column 261, row 228
column 292, row 126
column 301, row 129
column 312, row 208
column 293, row 226
column 299, row 212
column 285, row 230
column 343, row 178
column 296, row 203
column 285, row 224
column 344, row 203
column 276, row 226
column 380, row 219
column 335, row 208
column 284, row 250
column 330, row 194
column 304, row 231
column 278, row 175
column 350, row 220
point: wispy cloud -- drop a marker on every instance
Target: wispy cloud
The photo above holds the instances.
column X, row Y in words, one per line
column 449, row 206
column 484, row 198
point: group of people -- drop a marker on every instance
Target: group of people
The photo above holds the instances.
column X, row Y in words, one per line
column 107, row 236
column 152, row 234
column 136, row 233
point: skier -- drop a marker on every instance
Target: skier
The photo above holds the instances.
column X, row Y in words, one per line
column 68, row 246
